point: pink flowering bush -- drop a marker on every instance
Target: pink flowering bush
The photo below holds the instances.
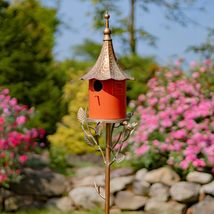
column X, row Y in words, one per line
column 176, row 121
column 204, row 73
column 16, row 141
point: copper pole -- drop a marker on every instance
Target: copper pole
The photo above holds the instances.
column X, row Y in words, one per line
column 107, row 167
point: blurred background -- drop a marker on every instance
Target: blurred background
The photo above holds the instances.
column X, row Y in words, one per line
column 164, row 27
column 47, row 45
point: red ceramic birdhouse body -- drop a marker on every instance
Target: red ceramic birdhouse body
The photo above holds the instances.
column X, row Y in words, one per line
column 107, row 84
column 107, row 99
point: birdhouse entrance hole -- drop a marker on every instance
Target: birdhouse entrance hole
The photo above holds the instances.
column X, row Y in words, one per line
column 98, row 86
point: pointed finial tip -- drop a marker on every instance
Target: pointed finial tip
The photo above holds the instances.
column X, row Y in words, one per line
column 107, row 31
column 106, row 16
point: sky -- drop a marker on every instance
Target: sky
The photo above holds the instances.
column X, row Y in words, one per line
column 173, row 39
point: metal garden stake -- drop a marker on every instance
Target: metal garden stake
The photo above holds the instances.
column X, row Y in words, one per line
column 107, row 109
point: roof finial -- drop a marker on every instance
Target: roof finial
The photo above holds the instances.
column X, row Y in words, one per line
column 107, row 31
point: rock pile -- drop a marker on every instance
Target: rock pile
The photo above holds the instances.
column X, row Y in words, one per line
column 159, row 191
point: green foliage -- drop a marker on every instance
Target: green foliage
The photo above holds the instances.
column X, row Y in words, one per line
column 170, row 129
column 207, row 80
column 26, row 63
column 89, row 50
column 150, row 160
column 206, row 48
column 204, row 73
column 69, row 134
column 142, row 69
column 58, row 158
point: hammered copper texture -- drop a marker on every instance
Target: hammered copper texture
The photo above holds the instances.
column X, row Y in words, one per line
column 106, row 66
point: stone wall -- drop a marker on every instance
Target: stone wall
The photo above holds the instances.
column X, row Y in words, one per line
column 159, row 191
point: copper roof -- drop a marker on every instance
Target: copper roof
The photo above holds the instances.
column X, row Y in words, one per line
column 106, row 66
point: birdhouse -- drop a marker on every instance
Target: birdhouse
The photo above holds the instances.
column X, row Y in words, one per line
column 107, row 84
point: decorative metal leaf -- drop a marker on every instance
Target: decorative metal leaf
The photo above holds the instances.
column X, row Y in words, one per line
column 81, row 115
column 87, row 140
column 98, row 129
column 98, row 189
column 120, row 157
column 134, row 125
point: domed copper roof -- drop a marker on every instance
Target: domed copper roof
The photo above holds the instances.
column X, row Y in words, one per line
column 106, row 66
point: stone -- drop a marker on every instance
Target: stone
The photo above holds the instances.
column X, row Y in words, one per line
column 16, row 202
column 115, row 211
column 163, row 175
column 208, row 188
column 86, row 197
column 118, row 211
column 121, row 172
column 40, row 183
column 63, row 204
column 11, row 204
column 160, row 207
column 100, row 180
column 4, row 193
column 206, row 206
column 126, row 200
column 159, row 192
column 199, row 177
column 1, row 202
column 89, row 181
column 185, row 192
column 120, row 183
column 141, row 188
column 38, row 161
column 140, row 174
column 88, row 171
column 85, row 181
column 79, row 160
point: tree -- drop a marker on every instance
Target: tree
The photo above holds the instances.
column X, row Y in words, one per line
column 142, row 69
column 26, row 61
column 126, row 28
column 89, row 50
column 206, row 48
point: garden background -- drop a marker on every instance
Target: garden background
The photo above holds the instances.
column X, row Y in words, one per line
column 47, row 45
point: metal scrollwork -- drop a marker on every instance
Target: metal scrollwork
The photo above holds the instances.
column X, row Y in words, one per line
column 92, row 133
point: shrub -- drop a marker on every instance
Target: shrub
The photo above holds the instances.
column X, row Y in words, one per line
column 135, row 65
column 69, row 137
column 204, row 74
column 15, row 140
column 176, row 121
column 27, row 67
